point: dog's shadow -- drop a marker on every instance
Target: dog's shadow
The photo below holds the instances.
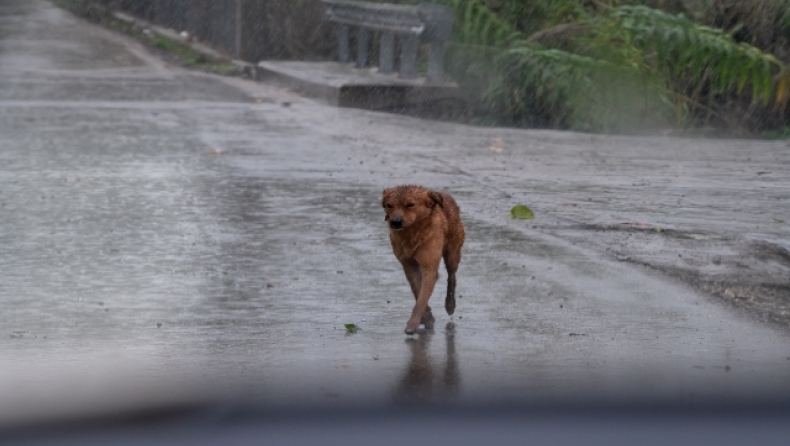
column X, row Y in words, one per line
column 419, row 381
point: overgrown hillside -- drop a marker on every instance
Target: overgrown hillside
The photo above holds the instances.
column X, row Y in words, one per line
column 625, row 66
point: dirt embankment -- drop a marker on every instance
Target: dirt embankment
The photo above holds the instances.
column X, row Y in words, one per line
column 753, row 275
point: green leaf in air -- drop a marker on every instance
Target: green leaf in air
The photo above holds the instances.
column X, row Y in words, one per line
column 521, row 211
column 351, row 328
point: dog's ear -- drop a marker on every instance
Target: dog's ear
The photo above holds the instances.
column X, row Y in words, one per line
column 385, row 195
column 436, row 199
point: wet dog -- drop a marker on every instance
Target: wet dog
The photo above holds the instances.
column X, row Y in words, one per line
column 425, row 226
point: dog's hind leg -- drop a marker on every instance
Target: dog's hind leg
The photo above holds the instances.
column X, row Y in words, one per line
column 452, row 258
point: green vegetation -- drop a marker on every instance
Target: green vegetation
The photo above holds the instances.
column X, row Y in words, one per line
column 188, row 57
column 625, row 66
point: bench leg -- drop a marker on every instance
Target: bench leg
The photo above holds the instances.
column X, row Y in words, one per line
column 387, row 52
column 342, row 44
column 363, row 44
column 436, row 61
column 408, row 57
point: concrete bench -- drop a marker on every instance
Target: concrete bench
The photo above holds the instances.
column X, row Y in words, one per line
column 425, row 22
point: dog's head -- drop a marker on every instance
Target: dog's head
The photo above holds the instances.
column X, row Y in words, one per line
column 405, row 205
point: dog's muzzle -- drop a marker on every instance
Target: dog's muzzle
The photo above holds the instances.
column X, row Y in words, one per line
column 396, row 223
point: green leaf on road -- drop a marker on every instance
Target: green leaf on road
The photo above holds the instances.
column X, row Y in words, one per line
column 351, row 328
column 521, row 211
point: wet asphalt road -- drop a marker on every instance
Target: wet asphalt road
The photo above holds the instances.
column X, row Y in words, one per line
column 168, row 235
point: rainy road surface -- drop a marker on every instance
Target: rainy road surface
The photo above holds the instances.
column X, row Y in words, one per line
column 168, row 235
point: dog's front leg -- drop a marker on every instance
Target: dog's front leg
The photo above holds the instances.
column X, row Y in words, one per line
column 413, row 274
column 429, row 272
column 412, row 270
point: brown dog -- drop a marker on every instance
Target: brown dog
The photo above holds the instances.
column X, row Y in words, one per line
column 425, row 226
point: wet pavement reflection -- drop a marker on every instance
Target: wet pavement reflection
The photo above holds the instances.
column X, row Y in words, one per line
column 423, row 381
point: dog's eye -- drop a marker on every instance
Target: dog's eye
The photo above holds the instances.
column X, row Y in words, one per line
column 388, row 206
column 410, row 205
